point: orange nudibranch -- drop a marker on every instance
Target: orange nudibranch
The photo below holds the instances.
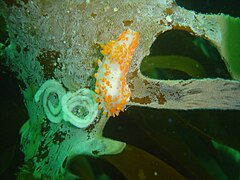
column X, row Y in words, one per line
column 111, row 86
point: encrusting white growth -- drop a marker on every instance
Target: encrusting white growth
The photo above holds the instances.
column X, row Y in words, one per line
column 79, row 108
column 51, row 93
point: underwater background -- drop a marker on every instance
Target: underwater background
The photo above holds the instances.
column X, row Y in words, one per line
column 197, row 144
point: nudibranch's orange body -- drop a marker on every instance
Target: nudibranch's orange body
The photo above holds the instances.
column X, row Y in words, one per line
column 111, row 86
